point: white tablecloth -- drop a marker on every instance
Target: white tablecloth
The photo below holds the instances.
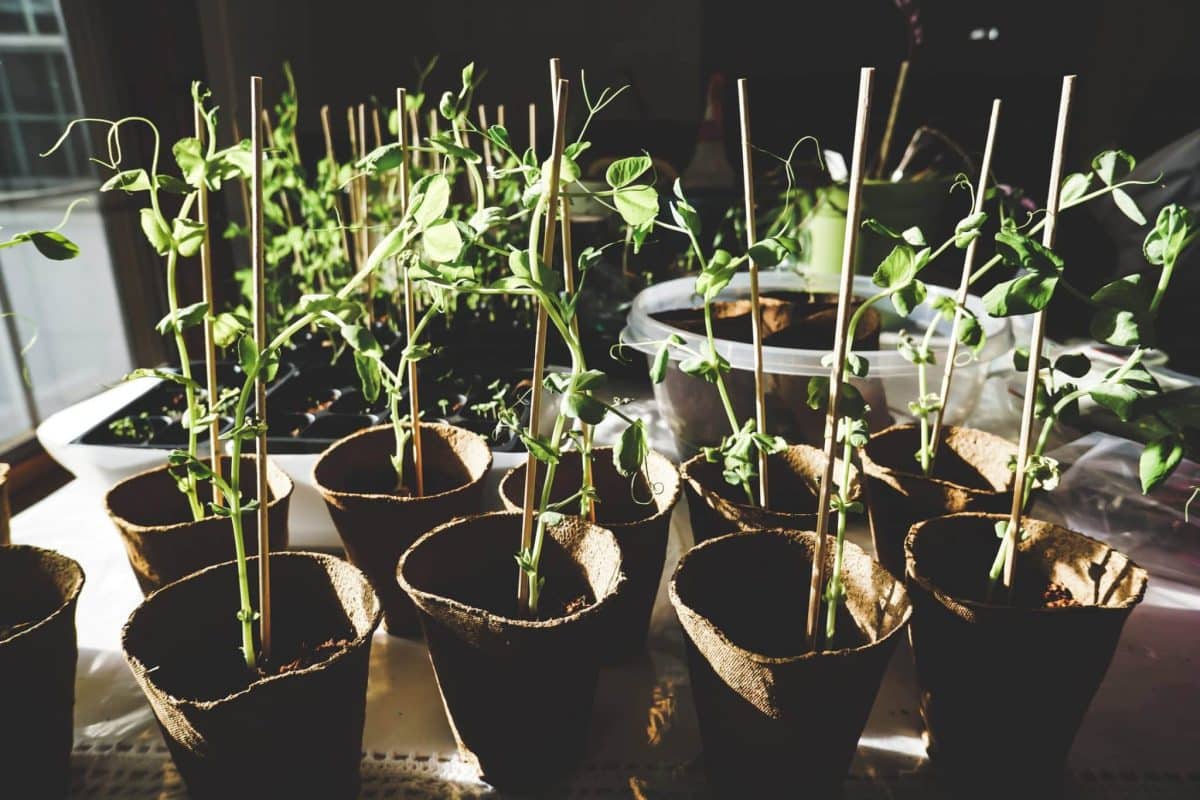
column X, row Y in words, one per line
column 1140, row 739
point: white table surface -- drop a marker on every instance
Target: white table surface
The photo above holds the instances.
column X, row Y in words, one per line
column 1140, row 739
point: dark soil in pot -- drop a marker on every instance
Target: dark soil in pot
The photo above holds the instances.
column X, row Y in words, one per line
column 518, row 692
column 293, row 731
column 777, row 720
column 377, row 522
column 1005, row 686
column 39, row 590
column 638, row 512
column 971, row 473
column 717, row 507
column 162, row 540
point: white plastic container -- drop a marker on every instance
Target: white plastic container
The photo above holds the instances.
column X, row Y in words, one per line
column 692, row 406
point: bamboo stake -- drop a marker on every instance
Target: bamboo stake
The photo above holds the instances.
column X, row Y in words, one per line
column 760, row 404
column 353, row 187
column 964, row 285
column 533, row 127
column 433, row 132
column 838, row 370
column 569, row 284
column 376, row 126
column 500, row 116
column 209, row 297
column 364, row 245
column 260, row 383
column 539, row 348
column 1037, row 339
column 414, row 402
column 487, row 149
column 885, row 145
column 329, row 154
column 414, row 129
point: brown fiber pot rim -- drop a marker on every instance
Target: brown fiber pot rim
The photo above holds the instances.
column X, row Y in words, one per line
column 376, row 614
column 493, row 619
column 810, row 452
column 69, row 565
column 913, row 574
column 811, row 655
column 871, row 466
column 664, row 502
column 275, row 477
column 438, row 428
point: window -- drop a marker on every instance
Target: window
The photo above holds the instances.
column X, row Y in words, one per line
column 71, row 307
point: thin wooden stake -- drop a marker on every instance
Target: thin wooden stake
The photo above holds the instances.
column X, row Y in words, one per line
column 760, row 403
column 838, row 370
column 414, row 132
column 487, row 149
column 539, row 348
column 332, row 156
column 533, row 127
column 353, row 187
column 260, row 382
column 376, row 126
column 564, row 205
column 209, row 297
column 433, row 132
column 410, row 306
column 500, row 116
column 885, row 145
column 364, row 245
column 1037, row 339
column 964, row 285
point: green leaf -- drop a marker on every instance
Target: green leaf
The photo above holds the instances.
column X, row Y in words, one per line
column 53, row 245
column 1074, row 186
column 1024, row 295
column 499, row 137
column 444, row 143
column 188, row 235
column 248, row 356
column 638, row 205
column 1113, row 165
column 625, row 171
column 908, row 297
column 1127, row 206
column 382, row 159
column 716, row 275
column 1123, row 318
column 662, row 359
column 970, row 333
column 182, row 319
column 911, row 236
column 1019, row 250
column 189, row 155
column 967, row 229
column 631, row 449
column 1076, row 365
column 369, row 375
column 361, row 340
column 162, row 374
column 129, row 181
column 227, row 328
column 685, row 216
column 1175, row 223
column 442, row 241
column 898, row 269
column 1118, row 398
column 568, row 170
column 156, row 232
column 768, row 253
column 1158, row 461
column 582, row 406
column 431, row 198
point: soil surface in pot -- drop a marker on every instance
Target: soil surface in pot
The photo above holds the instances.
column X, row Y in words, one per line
column 800, row 320
column 790, row 493
column 949, row 465
column 382, row 480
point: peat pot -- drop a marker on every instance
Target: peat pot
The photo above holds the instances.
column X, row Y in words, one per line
column 38, row 593
column 638, row 512
column 291, row 730
column 376, row 523
column 971, row 473
column 1005, row 684
column 777, row 719
column 162, row 540
column 518, row 690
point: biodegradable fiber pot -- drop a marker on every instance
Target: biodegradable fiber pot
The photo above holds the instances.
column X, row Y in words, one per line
column 356, row 478
column 293, row 733
column 638, row 513
column 775, row 719
column 162, row 541
column 1004, row 688
column 518, row 691
column 717, row 507
column 38, row 593
column 971, row 473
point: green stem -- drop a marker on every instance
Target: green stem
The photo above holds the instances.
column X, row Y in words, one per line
column 246, row 613
column 923, row 390
column 834, row 592
column 185, row 368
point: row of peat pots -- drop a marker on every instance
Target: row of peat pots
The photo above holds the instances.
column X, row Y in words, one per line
column 1003, row 686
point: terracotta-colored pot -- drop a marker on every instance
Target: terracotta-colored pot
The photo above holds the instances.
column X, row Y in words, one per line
column 775, row 717
column 164, row 544
column 638, row 513
column 39, row 590
column 377, row 524
column 717, row 507
column 1005, row 686
column 518, row 691
column 293, row 733
column 971, row 473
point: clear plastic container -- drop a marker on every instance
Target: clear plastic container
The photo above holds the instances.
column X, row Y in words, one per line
column 693, row 409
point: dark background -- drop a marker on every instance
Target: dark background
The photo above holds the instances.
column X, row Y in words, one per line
column 1136, row 89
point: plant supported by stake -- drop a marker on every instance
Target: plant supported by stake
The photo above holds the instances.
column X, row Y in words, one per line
column 175, row 237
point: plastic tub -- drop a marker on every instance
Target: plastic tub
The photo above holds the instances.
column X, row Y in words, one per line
column 692, row 407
